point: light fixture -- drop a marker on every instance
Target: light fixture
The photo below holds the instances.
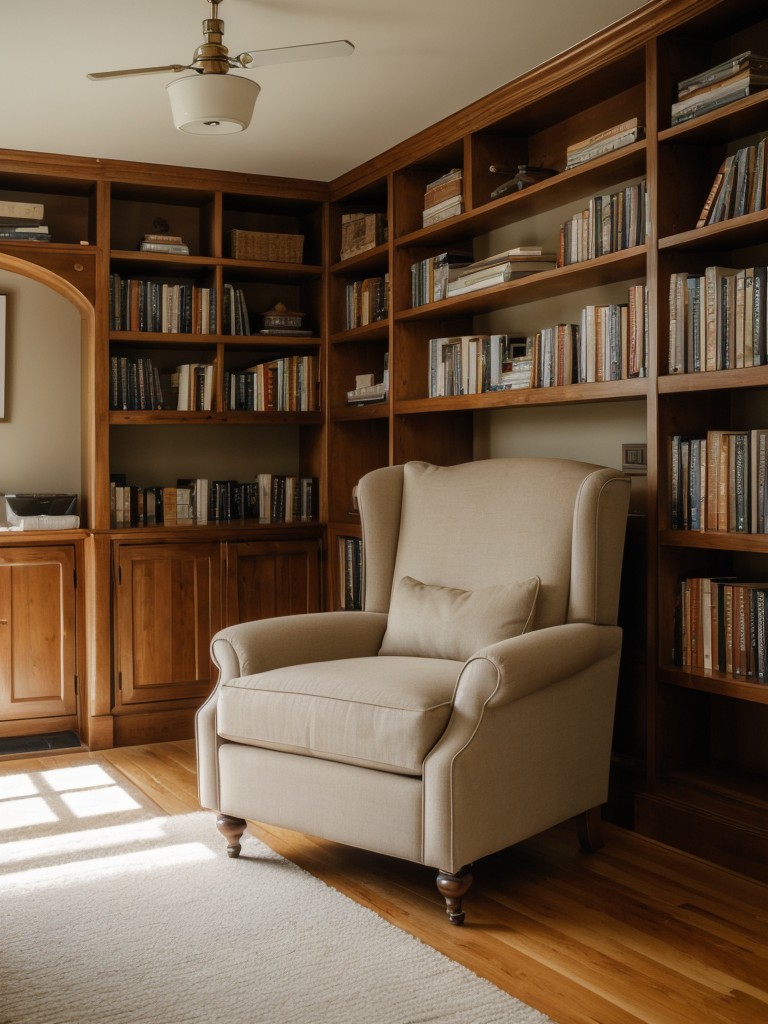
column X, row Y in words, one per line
column 212, row 104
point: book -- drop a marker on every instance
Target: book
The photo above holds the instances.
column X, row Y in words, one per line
column 180, row 249
column 13, row 213
column 501, row 273
column 725, row 70
column 361, row 231
column 631, row 124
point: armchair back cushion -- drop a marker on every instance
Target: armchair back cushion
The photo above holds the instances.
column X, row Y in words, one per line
column 493, row 521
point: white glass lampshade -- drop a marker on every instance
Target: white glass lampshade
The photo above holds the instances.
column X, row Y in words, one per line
column 212, row 104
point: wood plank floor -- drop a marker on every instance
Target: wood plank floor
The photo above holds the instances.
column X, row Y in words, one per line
column 634, row 933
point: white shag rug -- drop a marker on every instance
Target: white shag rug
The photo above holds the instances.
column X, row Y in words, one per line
column 111, row 913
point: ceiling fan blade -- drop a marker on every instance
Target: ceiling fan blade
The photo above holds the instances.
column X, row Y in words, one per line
column 286, row 54
column 97, row 75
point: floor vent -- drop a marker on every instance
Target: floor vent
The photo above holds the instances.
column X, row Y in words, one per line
column 43, row 741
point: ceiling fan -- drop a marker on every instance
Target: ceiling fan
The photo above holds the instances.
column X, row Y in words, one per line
column 212, row 102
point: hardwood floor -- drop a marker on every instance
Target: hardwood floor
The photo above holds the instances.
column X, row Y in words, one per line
column 634, row 933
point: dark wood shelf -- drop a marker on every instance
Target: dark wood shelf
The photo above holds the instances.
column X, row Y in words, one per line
column 709, row 681
column 608, row 391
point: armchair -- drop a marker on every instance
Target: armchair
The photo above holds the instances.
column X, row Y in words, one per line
column 468, row 706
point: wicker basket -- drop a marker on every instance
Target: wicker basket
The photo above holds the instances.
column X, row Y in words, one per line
column 266, row 245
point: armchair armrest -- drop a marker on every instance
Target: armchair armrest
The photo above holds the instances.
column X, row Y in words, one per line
column 539, row 659
column 292, row 639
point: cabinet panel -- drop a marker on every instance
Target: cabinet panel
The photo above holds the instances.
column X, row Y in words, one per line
column 167, row 607
column 37, row 633
column 268, row 578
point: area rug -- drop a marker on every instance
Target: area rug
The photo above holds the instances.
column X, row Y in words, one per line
column 112, row 913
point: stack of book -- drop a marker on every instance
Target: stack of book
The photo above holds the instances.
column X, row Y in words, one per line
column 164, row 243
column 623, row 134
column 360, row 232
column 717, row 86
column 443, row 197
column 739, row 186
column 506, row 266
column 22, row 222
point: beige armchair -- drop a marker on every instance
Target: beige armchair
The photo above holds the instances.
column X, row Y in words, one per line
column 469, row 706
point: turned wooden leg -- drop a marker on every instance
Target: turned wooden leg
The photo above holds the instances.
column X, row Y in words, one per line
column 232, row 830
column 590, row 834
column 452, row 888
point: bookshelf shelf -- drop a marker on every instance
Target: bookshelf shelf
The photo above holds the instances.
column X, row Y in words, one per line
column 350, row 413
column 716, row 682
column 609, row 391
column 717, row 380
column 715, row 540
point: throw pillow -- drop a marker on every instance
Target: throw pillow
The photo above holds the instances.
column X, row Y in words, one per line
column 429, row 621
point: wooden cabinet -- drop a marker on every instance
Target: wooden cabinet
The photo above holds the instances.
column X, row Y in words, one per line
column 268, row 578
column 172, row 595
column 167, row 608
column 38, row 639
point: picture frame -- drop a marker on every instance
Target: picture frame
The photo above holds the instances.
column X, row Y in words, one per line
column 634, row 459
column 3, row 307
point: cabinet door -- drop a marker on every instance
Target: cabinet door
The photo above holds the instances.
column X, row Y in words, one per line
column 167, row 608
column 268, row 578
column 37, row 633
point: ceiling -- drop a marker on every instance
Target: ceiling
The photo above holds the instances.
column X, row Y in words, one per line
column 415, row 62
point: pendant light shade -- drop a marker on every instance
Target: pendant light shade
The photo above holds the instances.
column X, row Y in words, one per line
column 212, row 104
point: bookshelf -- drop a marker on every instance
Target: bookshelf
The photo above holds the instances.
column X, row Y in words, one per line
column 689, row 767
column 689, row 755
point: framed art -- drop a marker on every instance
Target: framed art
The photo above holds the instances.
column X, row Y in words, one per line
column 3, row 300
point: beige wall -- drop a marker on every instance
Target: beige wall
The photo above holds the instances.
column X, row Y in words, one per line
column 40, row 435
column 586, row 432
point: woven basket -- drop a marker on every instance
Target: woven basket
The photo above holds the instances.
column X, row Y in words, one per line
column 269, row 246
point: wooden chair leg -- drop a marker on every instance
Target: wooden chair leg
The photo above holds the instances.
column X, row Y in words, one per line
column 232, row 829
column 453, row 887
column 590, row 833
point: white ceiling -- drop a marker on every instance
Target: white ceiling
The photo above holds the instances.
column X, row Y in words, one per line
column 415, row 62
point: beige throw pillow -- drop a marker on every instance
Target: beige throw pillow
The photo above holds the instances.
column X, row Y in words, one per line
column 428, row 621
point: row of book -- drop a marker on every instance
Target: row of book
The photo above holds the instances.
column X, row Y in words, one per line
column 720, row 481
column 269, row 498
column 350, row 574
column 611, row 222
column 473, row 364
column 739, row 76
column 366, row 301
column 23, row 222
column 289, row 384
column 361, row 231
column 175, row 308
column 721, row 625
column 739, row 187
column 136, row 383
column 443, row 197
column 606, row 141
column 610, row 343
column 717, row 320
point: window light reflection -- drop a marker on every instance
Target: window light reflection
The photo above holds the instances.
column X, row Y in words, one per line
column 25, row 812
column 108, row 800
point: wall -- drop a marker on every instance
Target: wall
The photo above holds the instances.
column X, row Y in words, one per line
column 40, row 435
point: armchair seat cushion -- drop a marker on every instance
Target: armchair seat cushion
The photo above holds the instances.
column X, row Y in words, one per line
column 383, row 713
